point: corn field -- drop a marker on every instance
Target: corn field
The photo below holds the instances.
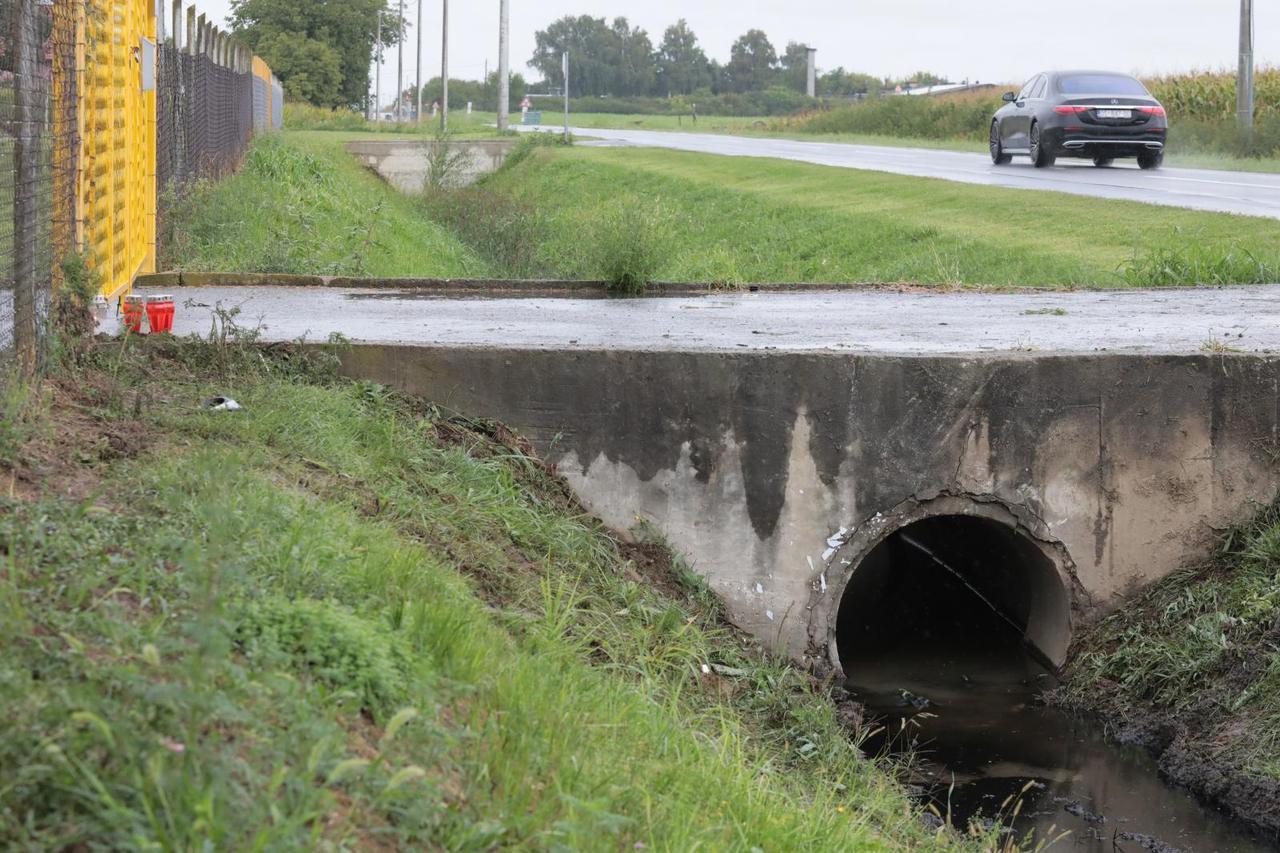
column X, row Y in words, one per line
column 1211, row 96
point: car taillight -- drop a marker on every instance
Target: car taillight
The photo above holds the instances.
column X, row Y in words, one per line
column 1070, row 110
column 1155, row 112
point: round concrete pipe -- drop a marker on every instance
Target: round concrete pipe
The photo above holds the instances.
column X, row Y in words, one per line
column 953, row 578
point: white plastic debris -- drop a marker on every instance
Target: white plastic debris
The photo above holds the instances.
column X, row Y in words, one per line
column 222, row 404
column 759, row 589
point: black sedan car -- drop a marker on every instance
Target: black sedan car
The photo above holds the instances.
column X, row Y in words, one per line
column 1095, row 115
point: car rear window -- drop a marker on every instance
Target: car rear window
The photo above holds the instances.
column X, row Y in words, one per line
column 1100, row 84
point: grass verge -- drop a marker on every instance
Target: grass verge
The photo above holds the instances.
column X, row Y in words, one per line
column 735, row 221
column 341, row 618
column 1191, row 669
column 302, row 204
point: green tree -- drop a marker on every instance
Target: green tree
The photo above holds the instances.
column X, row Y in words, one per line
column 309, row 70
column 848, row 84
column 637, row 71
column 347, row 27
column 795, row 67
column 604, row 59
column 753, row 63
column 682, row 65
column 925, row 78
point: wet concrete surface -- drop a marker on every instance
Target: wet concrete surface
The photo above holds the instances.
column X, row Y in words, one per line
column 1184, row 321
column 1247, row 193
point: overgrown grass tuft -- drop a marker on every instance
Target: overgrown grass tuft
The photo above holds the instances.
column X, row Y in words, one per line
column 1183, row 261
column 628, row 241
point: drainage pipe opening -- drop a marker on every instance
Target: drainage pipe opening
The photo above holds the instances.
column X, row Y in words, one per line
column 953, row 584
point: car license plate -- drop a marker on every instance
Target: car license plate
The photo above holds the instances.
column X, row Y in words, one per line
column 1115, row 113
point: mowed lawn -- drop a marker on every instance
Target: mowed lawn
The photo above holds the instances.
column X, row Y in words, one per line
column 741, row 220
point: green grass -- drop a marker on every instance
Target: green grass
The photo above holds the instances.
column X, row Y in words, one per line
column 304, row 117
column 301, row 204
column 1202, row 650
column 343, row 619
column 742, row 220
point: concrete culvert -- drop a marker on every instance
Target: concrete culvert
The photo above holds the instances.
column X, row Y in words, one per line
column 953, row 582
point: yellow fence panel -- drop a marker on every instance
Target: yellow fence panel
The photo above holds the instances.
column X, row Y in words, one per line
column 118, row 185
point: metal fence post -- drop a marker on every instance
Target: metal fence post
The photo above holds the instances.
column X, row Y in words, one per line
column 26, row 154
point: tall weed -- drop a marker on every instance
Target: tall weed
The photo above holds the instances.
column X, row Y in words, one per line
column 1182, row 262
column 629, row 244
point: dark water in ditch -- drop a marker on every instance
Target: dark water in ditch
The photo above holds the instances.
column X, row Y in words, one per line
column 984, row 742
column 951, row 678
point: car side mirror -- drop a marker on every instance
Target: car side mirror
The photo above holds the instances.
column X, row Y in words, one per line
column 1009, row 97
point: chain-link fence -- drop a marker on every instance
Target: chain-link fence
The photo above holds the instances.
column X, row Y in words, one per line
column 37, row 153
column 102, row 124
column 204, row 121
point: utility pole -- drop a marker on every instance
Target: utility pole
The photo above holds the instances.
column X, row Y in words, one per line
column 377, row 86
column 444, row 71
column 564, row 61
column 400, row 68
column 1244, row 84
column 418, row 114
column 504, row 63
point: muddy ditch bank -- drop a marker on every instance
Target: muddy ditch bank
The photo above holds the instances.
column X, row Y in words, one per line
column 1180, row 746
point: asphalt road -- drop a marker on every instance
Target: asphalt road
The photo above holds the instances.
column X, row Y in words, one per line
column 1246, row 319
column 1248, row 193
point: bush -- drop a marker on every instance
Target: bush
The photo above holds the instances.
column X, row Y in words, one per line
column 328, row 643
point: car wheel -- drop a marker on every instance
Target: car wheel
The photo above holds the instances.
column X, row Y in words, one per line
column 1103, row 162
column 998, row 156
column 1040, row 156
column 1151, row 160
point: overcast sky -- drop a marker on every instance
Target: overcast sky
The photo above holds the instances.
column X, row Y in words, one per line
column 998, row 40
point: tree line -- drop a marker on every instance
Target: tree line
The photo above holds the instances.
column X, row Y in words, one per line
column 618, row 60
column 322, row 50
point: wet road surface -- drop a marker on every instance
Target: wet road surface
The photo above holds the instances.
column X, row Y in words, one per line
column 1245, row 319
column 1247, row 193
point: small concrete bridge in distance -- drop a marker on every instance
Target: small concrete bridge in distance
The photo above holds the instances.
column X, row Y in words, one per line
column 816, row 455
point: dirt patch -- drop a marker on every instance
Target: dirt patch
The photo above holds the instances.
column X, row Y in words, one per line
column 75, row 439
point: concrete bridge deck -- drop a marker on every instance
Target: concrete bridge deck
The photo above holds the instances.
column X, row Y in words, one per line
column 1060, row 450
column 870, row 321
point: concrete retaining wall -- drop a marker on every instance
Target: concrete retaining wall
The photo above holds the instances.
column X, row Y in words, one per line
column 407, row 165
column 774, row 472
